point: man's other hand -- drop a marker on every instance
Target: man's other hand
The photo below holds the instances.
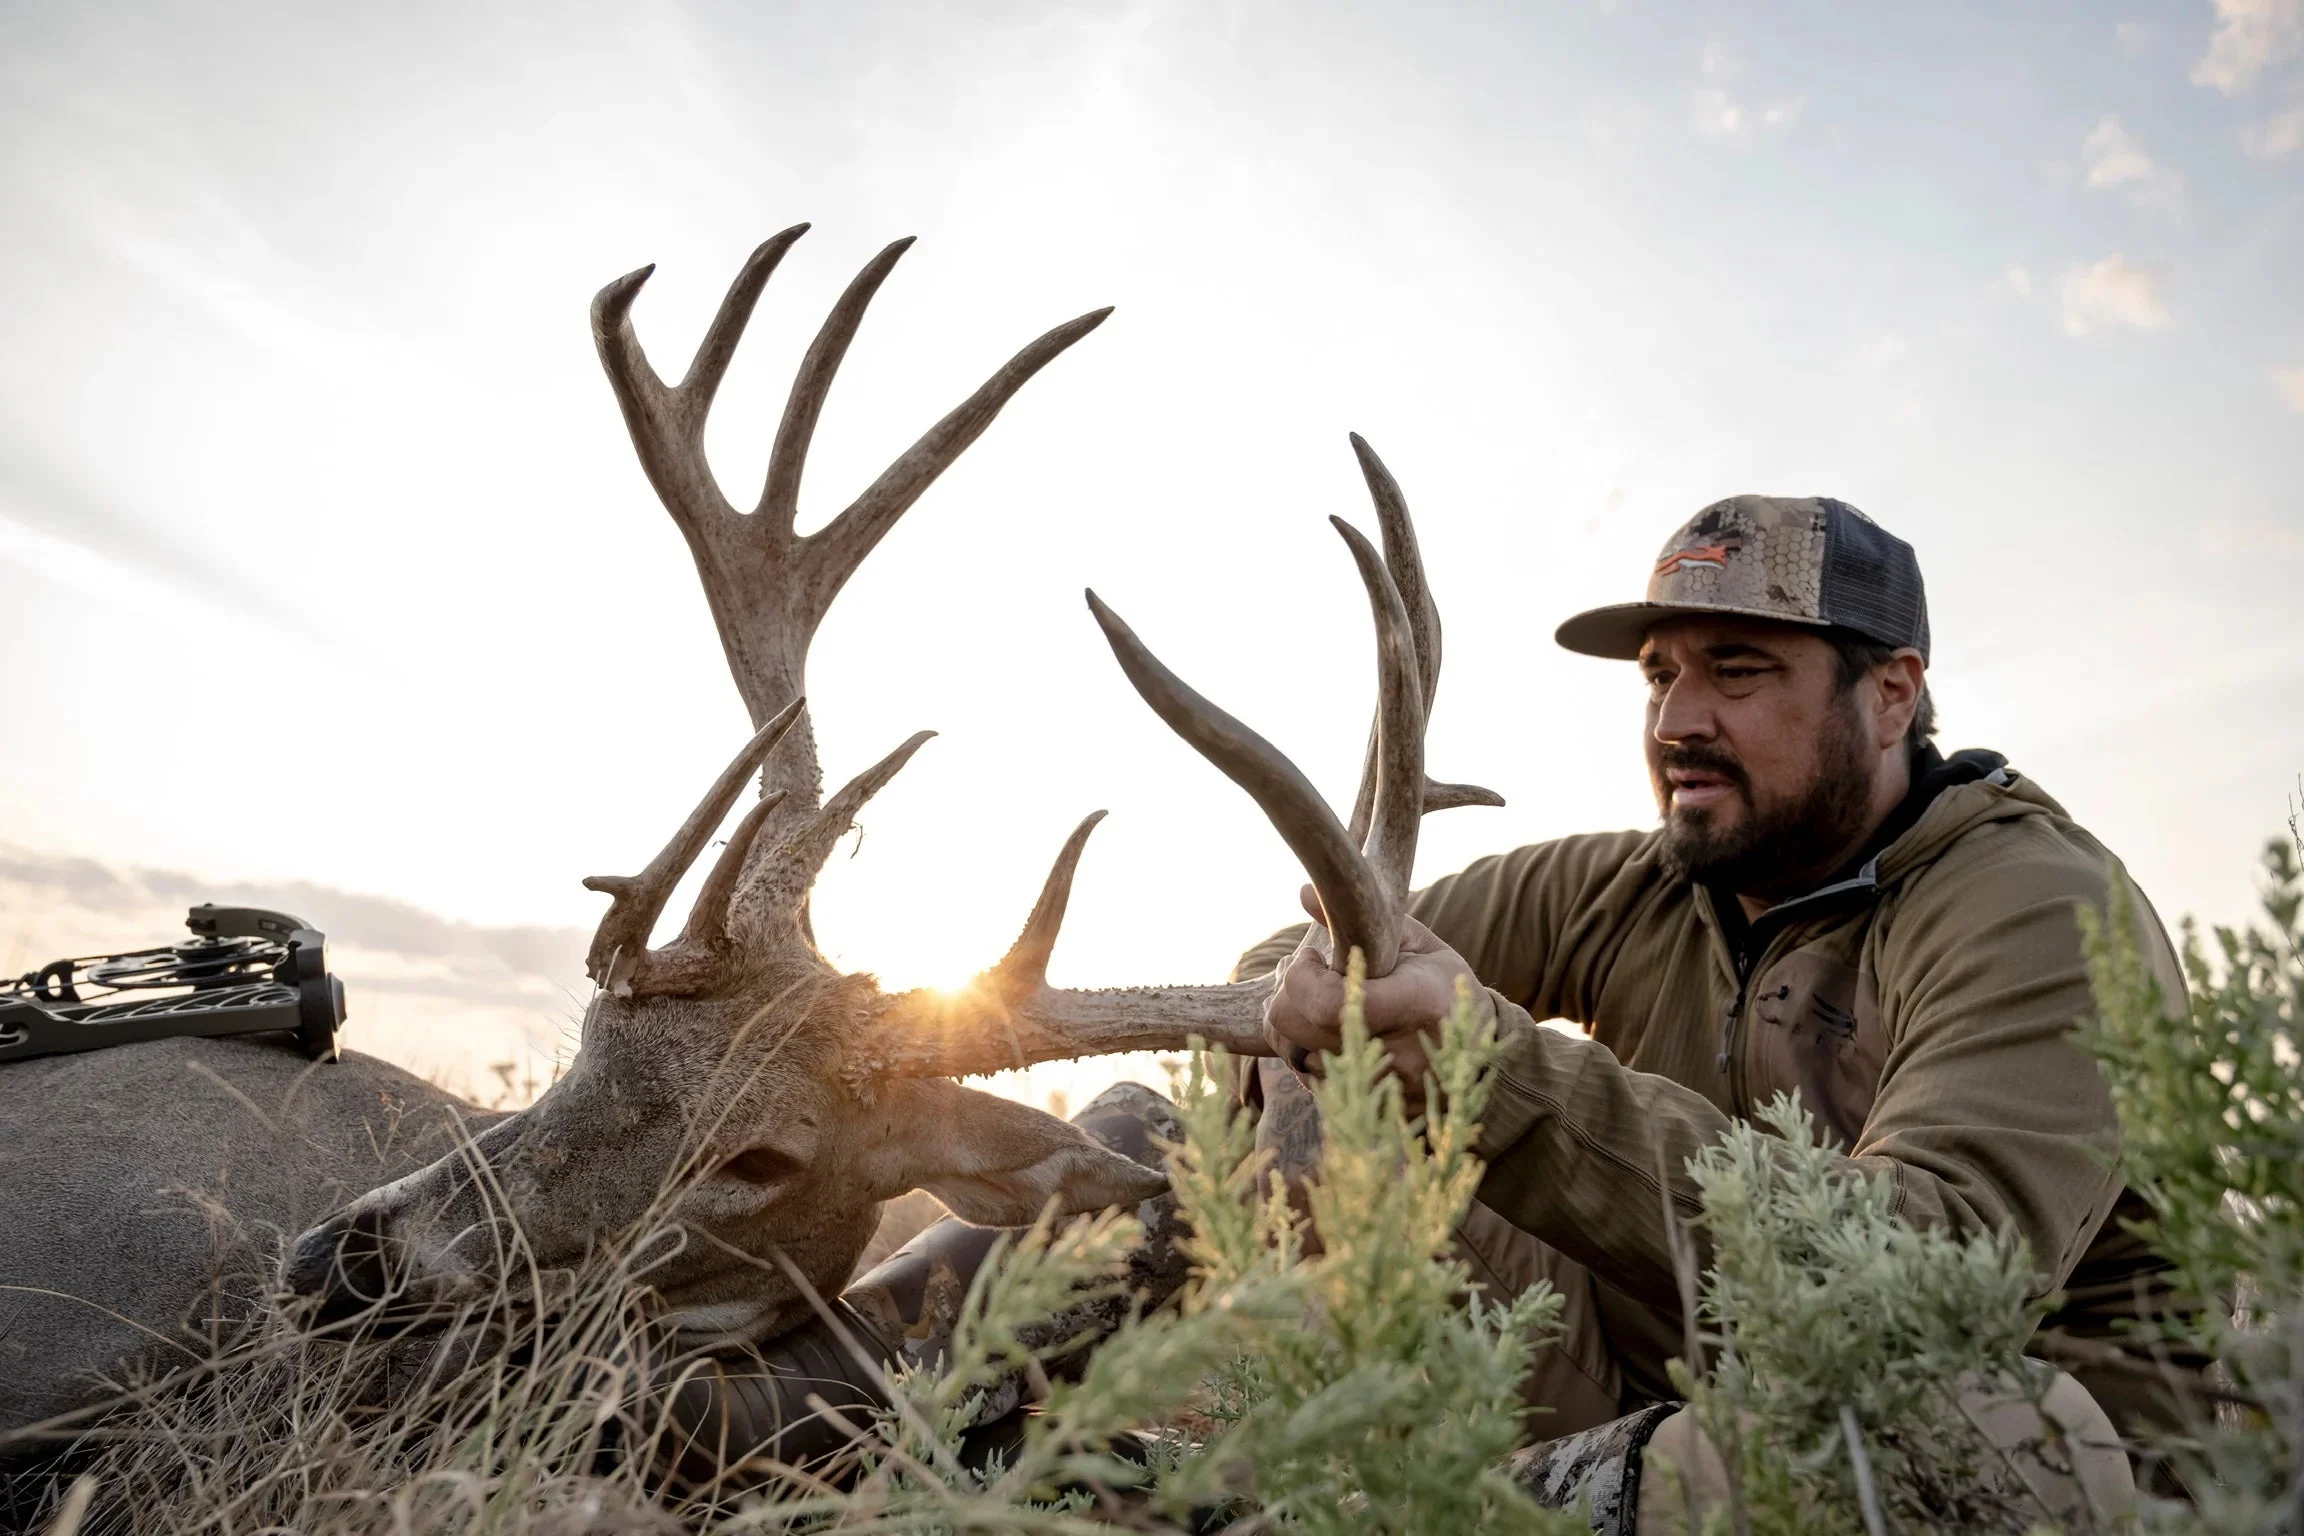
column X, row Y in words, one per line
column 1403, row 1009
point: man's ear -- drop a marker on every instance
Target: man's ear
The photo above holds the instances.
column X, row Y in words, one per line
column 994, row 1161
column 1899, row 682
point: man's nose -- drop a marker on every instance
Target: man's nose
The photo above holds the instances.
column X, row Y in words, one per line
column 1684, row 714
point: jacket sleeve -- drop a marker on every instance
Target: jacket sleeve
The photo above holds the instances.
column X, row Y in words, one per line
column 1584, row 1153
column 1537, row 925
column 1521, row 920
column 1988, row 1115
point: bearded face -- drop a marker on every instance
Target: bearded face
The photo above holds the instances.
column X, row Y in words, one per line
column 1764, row 765
column 1758, row 841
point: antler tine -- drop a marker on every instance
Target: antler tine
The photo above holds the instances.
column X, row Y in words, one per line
column 1406, row 563
column 773, row 892
column 1448, row 797
column 699, row 957
column 718, row 347
column 780, row 496
column 667, row 421
column 1026, row 963
column 1360, row 913
column 1397, row 807
column 708, row 919
column 636, row 901
column 834, row 551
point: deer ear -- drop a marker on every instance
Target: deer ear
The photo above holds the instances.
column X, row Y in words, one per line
column 995, row 1162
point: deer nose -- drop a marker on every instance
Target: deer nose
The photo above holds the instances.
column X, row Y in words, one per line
column 344, row 1262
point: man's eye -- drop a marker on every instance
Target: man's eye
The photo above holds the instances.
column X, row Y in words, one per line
column 1737, row 674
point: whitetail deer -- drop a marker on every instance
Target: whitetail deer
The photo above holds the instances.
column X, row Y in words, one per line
column 786, row 1098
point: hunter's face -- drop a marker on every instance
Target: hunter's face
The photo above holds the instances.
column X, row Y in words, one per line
column 1760, row 764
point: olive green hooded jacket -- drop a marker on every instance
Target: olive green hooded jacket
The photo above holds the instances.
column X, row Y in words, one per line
column 1921, row 1008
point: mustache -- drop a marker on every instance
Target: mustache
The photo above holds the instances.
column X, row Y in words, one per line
column 1702, row 757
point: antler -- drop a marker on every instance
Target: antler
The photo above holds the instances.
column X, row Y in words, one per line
column 1361, row 874
column 1406, row 563
column 1011, row 1017
column 620, row 959
column 769, row 586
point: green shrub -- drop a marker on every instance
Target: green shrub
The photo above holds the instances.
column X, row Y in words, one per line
column 2211, row 1101
column 1375, row 1400
column 1847, row 1346
column 1350, row 1391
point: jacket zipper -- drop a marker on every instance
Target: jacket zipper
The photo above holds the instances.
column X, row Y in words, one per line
column 1727, row 1063
column 1728, row 1022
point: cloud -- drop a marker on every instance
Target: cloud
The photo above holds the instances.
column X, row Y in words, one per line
column 2017, row 281
column 2250, row 37
column 1885, row 349
column 2277, row 137
column 2132, row 36
column 2109, row 293
column 2290, row 383
column 1715, row 115
column 446, row 999
column 2116, row 160
column 2254, row 540
column 81, row 539
column 467, row 960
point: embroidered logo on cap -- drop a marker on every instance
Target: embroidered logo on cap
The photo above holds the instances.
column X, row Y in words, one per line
column 1711, row 557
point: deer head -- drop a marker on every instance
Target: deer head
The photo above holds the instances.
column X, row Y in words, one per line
column 731, row 1086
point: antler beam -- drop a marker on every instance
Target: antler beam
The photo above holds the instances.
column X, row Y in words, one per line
column 1010, row 1017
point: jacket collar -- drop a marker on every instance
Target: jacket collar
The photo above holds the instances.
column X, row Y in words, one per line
column 1900, row 842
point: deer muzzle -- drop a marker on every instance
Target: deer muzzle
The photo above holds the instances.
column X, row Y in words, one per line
column 345, row 1263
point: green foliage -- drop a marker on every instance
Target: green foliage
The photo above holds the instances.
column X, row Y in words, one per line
column 2211, row 1101
column 1383, row 1403
column 1345, row 1391
column 1825, row 1312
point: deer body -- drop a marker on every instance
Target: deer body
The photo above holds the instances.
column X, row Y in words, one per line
column 731, row 1087
column 148, row 1190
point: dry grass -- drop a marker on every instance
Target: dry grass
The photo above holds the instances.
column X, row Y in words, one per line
column 522, row 1412
column 539, row 1407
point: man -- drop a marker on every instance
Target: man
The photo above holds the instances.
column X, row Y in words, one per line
column 1829, row 907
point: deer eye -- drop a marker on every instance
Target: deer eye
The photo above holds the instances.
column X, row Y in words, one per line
column 761, row 1165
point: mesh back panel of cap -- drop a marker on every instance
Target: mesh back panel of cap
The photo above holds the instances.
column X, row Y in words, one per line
column 1872, row 580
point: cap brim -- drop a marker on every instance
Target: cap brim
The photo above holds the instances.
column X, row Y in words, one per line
column 1617, row 631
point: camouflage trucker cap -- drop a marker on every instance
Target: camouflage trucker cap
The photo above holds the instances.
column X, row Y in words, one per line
column 1798, row 559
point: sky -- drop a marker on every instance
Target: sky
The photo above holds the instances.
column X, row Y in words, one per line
column 327, row 564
